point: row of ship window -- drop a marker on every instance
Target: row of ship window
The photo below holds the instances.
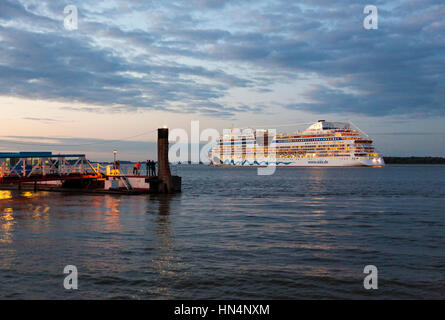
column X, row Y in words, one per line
column 326, row 147
column 300, row 156
column 307, row 140
column 280, row 141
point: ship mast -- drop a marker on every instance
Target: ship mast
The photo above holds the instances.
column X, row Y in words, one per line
column 356, row 126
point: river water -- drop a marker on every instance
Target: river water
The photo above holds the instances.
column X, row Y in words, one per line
column 302, row 233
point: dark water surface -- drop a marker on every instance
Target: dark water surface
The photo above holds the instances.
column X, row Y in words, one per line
column 301, row 233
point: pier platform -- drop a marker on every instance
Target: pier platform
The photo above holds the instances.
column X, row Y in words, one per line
column 74, row 173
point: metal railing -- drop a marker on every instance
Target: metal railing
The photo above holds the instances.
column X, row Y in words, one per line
column 57, row 165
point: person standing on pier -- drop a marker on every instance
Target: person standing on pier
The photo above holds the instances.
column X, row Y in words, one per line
column 153, row 168
column 136, row 168
column 148, row 164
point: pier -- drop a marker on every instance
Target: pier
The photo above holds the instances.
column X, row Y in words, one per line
column 74, row 173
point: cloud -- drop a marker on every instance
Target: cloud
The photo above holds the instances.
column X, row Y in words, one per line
column 189, row 56
column 408, row 133
column 44, row 120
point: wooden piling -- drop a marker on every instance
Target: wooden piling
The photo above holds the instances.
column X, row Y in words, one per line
column 165, row 184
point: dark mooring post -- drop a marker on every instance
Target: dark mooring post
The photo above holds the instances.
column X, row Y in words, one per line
column 165, row 181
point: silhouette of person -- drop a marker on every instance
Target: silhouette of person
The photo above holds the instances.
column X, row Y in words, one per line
column 153, row 168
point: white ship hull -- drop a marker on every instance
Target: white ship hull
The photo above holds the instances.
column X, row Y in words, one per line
column 319, row 162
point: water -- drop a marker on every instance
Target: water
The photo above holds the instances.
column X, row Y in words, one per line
column 301, row 233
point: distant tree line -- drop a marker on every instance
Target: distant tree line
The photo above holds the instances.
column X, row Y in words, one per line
column 414, row 160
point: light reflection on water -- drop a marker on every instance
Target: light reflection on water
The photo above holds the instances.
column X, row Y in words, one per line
column 301, row 233
column 5, row 194
column 7, row 221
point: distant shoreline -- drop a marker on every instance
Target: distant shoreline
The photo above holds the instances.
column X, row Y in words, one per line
column 414, row 160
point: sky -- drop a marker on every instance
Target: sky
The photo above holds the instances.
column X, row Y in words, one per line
column 133, row 66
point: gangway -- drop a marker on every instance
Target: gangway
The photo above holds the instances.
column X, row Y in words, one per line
column 43, row 166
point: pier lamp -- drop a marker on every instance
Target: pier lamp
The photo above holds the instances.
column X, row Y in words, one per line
column 114, row 153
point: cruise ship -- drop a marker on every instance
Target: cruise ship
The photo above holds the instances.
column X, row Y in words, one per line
column 322, row 144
